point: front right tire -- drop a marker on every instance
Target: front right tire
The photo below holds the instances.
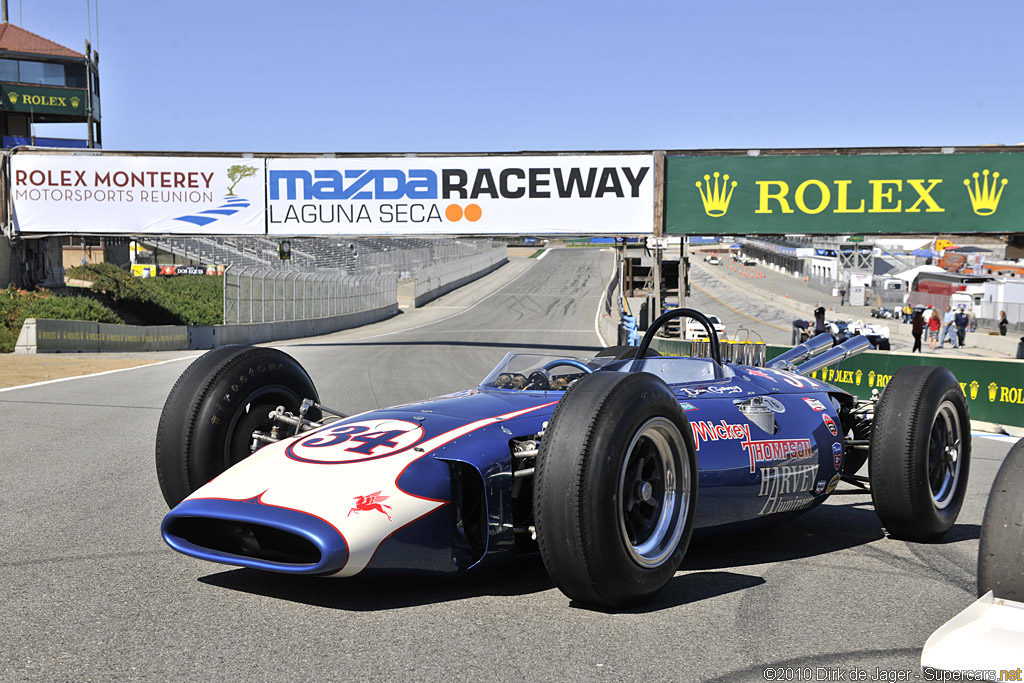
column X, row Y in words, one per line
column 615, row 489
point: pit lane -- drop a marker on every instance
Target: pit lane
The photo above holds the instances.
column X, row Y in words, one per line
column 90, row 591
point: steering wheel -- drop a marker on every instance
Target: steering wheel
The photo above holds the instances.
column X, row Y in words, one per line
column 567, row 361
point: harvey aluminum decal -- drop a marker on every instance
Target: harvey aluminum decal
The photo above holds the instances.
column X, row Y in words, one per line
column 461, row 195
column 786, row 480
column 118, row 195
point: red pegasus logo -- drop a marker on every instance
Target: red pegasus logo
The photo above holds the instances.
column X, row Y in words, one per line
column 371, row 502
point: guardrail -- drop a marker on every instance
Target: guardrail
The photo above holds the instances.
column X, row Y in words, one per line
column 431, row 282
column 262, row 295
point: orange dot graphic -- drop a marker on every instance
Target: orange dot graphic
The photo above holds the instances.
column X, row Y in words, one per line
column 473, row 212
column 453, row 212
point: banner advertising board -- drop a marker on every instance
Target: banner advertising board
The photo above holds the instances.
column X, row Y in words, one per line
column 34, row 99
column 137, row 194
column 862, row 193
column 461, row 195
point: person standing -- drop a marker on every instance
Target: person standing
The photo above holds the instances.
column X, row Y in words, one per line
column 1003, row 323
column 916, row 329
column 934, row 324
column 907, row 312
column 961, row 320
column 948, row 328
column 842, row 295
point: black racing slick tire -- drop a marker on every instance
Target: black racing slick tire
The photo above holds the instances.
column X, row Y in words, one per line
column 615, row 489
column 1001, row 549
column 208, row 420
column 920, row 453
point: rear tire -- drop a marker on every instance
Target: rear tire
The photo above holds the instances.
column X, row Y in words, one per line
column 920, row 453
column 1001, row 549
column 213, row 409
column 616, row 489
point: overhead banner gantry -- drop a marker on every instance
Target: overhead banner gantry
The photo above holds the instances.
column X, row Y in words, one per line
column 384, row 195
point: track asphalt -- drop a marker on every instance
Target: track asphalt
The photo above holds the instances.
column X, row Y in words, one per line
column 90, row 591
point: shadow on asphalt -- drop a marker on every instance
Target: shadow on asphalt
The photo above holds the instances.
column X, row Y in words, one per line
column 826, row 529
column 823, row 530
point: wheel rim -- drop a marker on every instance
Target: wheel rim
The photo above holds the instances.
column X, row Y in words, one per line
column 944, row 444
column 654, row 492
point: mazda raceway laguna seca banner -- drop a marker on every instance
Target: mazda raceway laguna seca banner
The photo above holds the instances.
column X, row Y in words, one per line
column 611, row 194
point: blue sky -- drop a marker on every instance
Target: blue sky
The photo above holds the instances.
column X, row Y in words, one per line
column 306, row 76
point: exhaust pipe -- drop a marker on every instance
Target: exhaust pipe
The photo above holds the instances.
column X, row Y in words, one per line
column 811, row 347
column 850, row 347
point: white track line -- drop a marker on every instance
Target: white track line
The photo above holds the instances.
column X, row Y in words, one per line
column 96, row 374
column 600, row 305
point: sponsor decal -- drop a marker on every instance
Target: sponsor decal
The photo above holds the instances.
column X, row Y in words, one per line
column 837, row 454
column 709, row 431
column 774, row 404
column 776, row 450
column 832, row 484
column 786, row 480
column 370, row 503
column 687, row 406
column 815, row 404
column 819, row 488
column 761, row 373
column 830, row 423
column 355, row 442
column 727, row 389
column 692, row 393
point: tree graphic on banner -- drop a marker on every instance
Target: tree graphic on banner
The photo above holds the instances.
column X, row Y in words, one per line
column 237, row 173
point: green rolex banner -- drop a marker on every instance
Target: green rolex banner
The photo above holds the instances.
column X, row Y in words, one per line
column 40, row 100
column 864, row 193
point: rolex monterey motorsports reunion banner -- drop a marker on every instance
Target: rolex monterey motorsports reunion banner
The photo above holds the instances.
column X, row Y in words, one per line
column 323, row 196
column 137, row 194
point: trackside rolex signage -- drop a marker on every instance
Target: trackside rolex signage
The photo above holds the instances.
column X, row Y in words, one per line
column 890, row 193
column 461, row 195
column 40, row 100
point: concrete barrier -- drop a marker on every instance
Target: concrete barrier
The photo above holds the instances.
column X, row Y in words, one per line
column 40, row 335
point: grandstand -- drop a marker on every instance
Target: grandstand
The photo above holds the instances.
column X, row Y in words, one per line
column 354, row 255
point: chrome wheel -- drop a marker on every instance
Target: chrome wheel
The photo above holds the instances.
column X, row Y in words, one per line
column 653, row 492
column 944, row 443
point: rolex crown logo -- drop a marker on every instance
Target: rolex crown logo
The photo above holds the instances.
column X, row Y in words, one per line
column 985, row 197
column 13, row 97
column 974, row 389
column 74, row 102
column 871, row 378
column 992, row 388
column 858, row 375
column 716, row 199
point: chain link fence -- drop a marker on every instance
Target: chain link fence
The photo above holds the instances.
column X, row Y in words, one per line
column 263, row 295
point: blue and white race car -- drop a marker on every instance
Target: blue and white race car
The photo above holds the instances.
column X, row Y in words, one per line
column 605, row 466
